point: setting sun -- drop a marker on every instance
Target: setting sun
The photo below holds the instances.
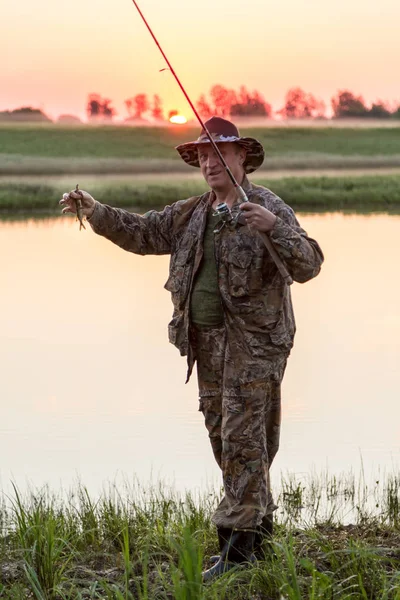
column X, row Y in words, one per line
column 178, row 119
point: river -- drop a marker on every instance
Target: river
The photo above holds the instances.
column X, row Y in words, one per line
column 91, row 390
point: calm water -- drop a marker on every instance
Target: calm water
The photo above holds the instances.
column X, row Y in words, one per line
column 91, row 389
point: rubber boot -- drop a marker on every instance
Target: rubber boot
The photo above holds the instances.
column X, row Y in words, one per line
column 241, row 549
column 264, row 533
column 223, row 535
column 237, row 549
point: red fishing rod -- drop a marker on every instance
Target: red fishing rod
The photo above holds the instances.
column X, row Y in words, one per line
column 214, row 145
column 242, row 194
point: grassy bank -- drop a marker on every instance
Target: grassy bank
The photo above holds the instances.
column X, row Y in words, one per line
column 335, row 538
column 15, row 164
column 47, row 149
column 159, row 142
column 371, row 193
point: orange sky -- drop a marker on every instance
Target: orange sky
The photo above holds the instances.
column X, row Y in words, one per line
column 55, row 53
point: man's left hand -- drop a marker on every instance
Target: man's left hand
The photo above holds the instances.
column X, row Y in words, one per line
column 257, row 216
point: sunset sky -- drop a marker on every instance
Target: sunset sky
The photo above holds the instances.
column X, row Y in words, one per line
column 54, row 53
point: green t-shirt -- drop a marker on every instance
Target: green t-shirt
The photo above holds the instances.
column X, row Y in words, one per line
column 205, row 301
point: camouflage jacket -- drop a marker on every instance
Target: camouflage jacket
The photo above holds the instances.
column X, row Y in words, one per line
column 257, row 303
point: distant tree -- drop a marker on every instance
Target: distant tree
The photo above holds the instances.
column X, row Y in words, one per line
column 141, row 105
column 69, row 119
column 137, row 105
column 93, row 107
column 301, row 105
column 107, row 110
column 157, row 109
column 222, row 100
column 250, row 105
column 204, row 107
column 346, row 104
column 225, row 102
column 396, row 113
column 99, row 109
column 379, row 110
column 25, row 113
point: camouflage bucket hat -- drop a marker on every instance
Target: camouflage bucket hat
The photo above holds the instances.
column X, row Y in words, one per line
column 222, row 130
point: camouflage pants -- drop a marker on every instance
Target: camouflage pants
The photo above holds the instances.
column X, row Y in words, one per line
column 243, row 422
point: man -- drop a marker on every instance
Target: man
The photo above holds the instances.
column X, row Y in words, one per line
column 232, row 314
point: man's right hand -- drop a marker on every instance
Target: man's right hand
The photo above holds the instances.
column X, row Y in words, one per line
column 69, row 204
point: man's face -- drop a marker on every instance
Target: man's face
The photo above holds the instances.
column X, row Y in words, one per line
column 212, row 169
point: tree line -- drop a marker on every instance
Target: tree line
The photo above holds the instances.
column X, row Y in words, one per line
column 229, row 103
column 224, row 102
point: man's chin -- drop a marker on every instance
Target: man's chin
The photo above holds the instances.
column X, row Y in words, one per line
column 217, row 182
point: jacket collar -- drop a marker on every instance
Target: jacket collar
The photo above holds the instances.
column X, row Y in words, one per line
column 246, row 186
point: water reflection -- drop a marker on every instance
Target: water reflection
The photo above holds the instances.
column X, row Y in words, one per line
column 91, row 387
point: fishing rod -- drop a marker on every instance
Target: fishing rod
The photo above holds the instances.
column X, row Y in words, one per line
column 242, row 194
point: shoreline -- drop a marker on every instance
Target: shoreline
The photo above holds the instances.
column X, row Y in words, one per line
column 327, row 193
column 39, row 166
column 178, row 176
column 152, row 543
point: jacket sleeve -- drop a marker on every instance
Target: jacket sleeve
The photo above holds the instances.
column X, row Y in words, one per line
column 301, row 254
column 147, row 234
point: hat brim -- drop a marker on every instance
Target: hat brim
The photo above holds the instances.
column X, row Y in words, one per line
column 254, row 151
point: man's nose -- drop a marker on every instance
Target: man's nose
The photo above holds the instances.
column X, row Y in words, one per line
column 212, row 160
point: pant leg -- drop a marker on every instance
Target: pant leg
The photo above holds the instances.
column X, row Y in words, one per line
column 250, row 433
column 209, row 346
column 243, row 423
column 273, row 417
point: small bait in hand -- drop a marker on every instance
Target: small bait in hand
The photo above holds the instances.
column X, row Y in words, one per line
column 79, row 209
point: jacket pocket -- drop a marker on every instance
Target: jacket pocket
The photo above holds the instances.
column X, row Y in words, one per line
column 177, row 334
column 244, row 273
column 179, row 276
column 238, row 274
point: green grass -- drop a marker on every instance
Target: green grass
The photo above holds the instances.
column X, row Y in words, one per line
column 16, row 164
column 45, row 148
column 370, row 193
column 159, row 142
column 48, row 148
column 335, row 538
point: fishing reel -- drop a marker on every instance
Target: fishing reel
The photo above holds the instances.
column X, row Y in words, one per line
column 227, row 218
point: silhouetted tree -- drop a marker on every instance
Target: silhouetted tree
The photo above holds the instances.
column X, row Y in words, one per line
column 204, row 107
column 93, row 108
column 379, row 110
column 99, row 109
column 396, row 113
column 107, row 110
column 157, row 110
column 301, row 105
column 25, row 113
column 137, row 105
column 346, row 104
column 250, row 105
column 225, row 102
column 222, row 99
